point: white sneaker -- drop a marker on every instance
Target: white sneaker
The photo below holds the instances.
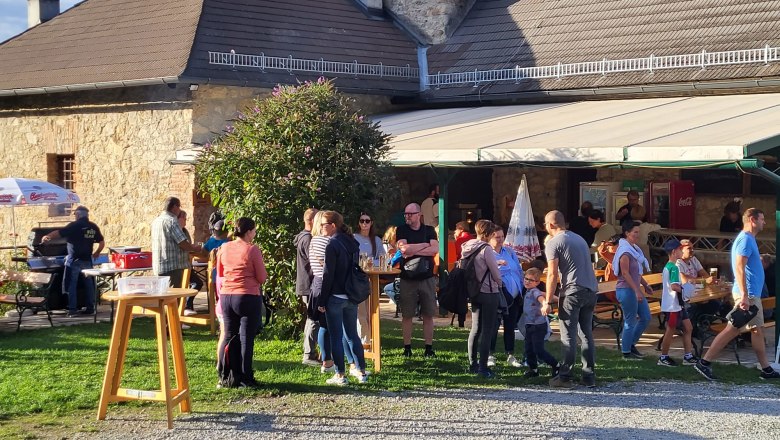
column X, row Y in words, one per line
column 354, row 372
column 189, row 312
column 363, row 378
column 513, row 362
column 331, row 369
column 491, row 361
column 336, row 380
column 185, row 327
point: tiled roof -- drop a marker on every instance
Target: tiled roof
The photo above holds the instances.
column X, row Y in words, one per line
column 103, row 41
column 499, row 34
column 334, row 30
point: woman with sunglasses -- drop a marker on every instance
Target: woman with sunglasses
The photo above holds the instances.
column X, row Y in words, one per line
column 370, row 245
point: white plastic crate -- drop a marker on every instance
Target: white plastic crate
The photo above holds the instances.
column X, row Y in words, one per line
column 143, row 285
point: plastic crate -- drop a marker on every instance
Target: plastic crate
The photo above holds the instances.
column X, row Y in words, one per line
column 143, row 285
column 136, row 260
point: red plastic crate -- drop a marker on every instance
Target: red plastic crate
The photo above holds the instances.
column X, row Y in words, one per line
column 136, row 260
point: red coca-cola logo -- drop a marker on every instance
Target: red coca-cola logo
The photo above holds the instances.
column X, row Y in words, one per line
column 685, row 201
column 6, row 198
column 49, row 196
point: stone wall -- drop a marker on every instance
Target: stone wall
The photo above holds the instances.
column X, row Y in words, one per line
column 430, row 20
column 122, row 140
column 545, row 187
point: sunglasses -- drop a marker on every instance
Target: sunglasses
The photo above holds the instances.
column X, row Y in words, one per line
column 409, row 214
column 530, row 280
column 365, row 220
column 325, row 223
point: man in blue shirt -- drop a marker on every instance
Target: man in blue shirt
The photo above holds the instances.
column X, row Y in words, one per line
column 748, row 283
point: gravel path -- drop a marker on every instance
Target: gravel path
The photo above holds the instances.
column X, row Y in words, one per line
column 621, row 410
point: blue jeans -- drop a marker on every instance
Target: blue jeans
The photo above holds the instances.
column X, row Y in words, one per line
column 534, row 346
column 70, row 284
column 342, row 320
column 633, row 327
column 323, row 340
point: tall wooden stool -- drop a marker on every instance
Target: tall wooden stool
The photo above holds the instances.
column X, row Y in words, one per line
column 164, row 308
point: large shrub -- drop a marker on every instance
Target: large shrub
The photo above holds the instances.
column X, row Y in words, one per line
column 304, row 146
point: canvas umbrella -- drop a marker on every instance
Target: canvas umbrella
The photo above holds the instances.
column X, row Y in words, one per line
column 521, row 236
column 24, row 192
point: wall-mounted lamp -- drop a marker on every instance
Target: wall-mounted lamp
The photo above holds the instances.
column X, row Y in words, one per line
column 193, row 87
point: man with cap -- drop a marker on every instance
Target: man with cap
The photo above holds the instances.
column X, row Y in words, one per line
column 81, row 236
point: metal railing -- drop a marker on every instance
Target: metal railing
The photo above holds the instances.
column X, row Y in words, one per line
column 290, row 64
column 699, row 60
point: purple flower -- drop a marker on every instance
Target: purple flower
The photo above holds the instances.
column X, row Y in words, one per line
column 307, row 150
column 277, row 91
column 256, row 109
column 321, row 80
column 240, row 116
column 230, row 128
column 290, row 175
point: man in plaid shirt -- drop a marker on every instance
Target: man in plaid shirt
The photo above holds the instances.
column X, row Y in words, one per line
column 170, row 248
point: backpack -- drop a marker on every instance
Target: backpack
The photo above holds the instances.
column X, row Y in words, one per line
column 461, row 283
column 356, row 285
column 229, row 366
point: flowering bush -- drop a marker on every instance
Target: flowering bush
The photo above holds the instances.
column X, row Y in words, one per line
column 302, row 147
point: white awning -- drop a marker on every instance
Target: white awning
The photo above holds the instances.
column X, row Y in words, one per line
column 693, row 129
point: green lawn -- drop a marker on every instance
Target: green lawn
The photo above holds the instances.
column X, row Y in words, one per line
column 49, row 373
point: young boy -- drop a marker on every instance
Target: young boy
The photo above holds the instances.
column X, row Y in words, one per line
column 673, row 307
column 535, row 325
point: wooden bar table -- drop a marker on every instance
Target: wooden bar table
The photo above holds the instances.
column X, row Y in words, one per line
column 164, row 307
column 374, row 349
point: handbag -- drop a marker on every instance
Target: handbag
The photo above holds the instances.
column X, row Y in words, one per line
column 356, row 286
column 417, row 268
column 739, row 318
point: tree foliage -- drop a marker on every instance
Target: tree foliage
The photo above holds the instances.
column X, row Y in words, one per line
column 304, row 146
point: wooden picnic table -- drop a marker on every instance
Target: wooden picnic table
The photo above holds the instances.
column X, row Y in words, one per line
column 709, row 292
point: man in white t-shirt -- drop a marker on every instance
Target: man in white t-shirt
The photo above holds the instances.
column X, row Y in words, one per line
column 689, row 266
column 430, row 206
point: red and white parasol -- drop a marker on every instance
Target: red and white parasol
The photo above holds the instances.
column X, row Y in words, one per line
column 521, row 236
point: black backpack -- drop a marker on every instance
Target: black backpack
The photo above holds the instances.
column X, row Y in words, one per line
column 462, row 283
column 229, row 366
column 356, row 285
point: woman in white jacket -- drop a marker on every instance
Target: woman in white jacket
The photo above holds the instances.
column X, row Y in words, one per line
column 484, row 306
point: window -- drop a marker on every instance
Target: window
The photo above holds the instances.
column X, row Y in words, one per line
column 61, row 170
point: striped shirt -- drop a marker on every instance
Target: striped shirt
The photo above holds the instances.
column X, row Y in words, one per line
column 317, row 254
column 167, row 256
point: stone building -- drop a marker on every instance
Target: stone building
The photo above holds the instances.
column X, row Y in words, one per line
column 116, row 97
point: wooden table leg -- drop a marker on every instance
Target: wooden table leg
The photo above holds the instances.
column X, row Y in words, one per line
column 162, row 358
column 376, row 343
column 114, row 364
column 179, row 365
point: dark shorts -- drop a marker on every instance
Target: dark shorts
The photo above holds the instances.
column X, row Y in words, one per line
column 674, row 319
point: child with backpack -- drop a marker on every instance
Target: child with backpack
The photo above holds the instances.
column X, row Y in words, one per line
column 673, row 307
column 535, row 325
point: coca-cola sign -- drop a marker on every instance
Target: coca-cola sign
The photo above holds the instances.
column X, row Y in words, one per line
column 46, row 196
column 685, row 201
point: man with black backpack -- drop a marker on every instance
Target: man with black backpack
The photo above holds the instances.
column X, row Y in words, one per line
column 418, row 244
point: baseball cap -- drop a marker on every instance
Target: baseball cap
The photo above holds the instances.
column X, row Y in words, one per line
column 671, row 245
column 82, row 208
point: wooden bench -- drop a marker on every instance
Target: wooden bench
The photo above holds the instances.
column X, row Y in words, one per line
column 710, row 326
column 32, row 292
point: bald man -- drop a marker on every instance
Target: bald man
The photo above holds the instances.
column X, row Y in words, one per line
column 418, row 244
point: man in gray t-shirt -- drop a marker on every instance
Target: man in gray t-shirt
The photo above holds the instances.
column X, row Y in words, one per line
column 568, row 260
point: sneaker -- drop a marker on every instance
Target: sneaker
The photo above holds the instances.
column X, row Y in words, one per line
column 189, row 312
column 363, row 378
column 336, row 380
column 248, row 383
column 331, row 369
column 491, row 361
column 772, row 375
column 705, row 371
column 87, row 312
column 219, row 385
column 531, row 373
column 636, row 352
column 666, row 361
column 555, row 369
column 474, row 368
column 513, row 362
column 589, row 381
column 311, row 362
column 429, row 353
column 72, row 315
column 487, row 374
column 407, row 352
column 355, row 372
column 631, row 356
column 559, row 382
column 690, row 360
